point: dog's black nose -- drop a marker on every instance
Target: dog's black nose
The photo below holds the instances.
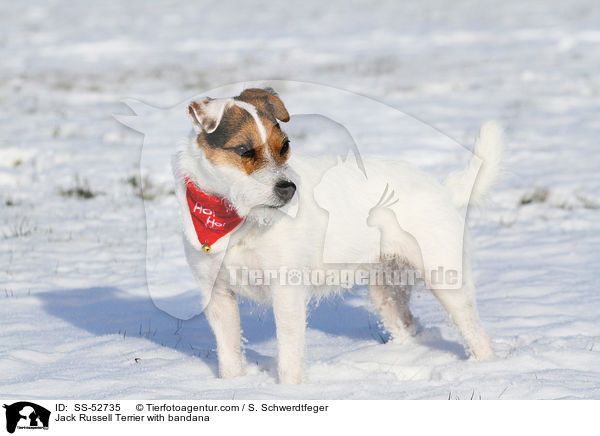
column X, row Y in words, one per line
column 285, row 189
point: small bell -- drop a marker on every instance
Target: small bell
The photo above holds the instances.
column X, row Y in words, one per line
column 206, row 248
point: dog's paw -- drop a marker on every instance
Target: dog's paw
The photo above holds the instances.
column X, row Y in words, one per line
column 290, row 380
column 486, row 355
column 483, row 352
column 290, row 376
column 231, row 371
column 405, row 336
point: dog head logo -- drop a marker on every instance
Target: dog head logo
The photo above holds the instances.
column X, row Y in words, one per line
column 26, row 415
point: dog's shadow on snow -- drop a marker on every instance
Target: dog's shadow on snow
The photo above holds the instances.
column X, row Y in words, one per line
column 110, row 310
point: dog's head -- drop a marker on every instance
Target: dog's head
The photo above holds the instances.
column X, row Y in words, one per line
column 247, row 151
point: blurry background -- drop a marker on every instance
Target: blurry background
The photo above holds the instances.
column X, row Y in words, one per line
column 72, row 220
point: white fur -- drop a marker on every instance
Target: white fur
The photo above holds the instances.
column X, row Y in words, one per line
column 426, row 230
column 212, row 111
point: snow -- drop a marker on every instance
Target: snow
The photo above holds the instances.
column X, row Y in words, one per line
column 75, row 311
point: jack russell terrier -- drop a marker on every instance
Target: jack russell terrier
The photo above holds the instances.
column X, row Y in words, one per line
column 238, row 172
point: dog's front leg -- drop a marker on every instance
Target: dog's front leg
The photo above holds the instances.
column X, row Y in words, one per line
column 223, row 315
column 289, row 308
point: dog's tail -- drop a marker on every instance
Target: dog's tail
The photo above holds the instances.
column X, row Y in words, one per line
column 470, row 185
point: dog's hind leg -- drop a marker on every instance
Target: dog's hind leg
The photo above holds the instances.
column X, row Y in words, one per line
column 392, row 305
column 223, row 315
column 391, row 297
column 462, row 308
column 289, row 308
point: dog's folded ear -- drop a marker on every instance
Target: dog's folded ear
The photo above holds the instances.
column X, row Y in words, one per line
column 270, row 98
column 206, row 114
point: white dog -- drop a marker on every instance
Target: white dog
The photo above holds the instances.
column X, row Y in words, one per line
column 234, row 177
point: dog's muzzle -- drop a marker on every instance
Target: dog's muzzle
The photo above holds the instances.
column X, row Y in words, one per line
column 284, row 190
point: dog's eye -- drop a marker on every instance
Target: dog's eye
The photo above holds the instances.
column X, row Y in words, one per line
column 285, row 147
column 244, row 151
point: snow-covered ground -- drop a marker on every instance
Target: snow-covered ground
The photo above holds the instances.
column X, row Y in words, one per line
column 76, row 320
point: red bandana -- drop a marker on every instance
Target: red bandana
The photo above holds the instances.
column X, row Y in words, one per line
column 213, row 217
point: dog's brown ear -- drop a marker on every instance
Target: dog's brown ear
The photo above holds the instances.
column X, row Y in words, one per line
column 272, row 100
column 207, row 113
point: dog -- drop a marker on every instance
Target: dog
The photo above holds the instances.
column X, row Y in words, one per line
column 236, row 175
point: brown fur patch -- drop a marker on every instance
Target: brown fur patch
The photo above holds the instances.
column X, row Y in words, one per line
column 238, row 128
column 270, row 108
column 266, row 99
